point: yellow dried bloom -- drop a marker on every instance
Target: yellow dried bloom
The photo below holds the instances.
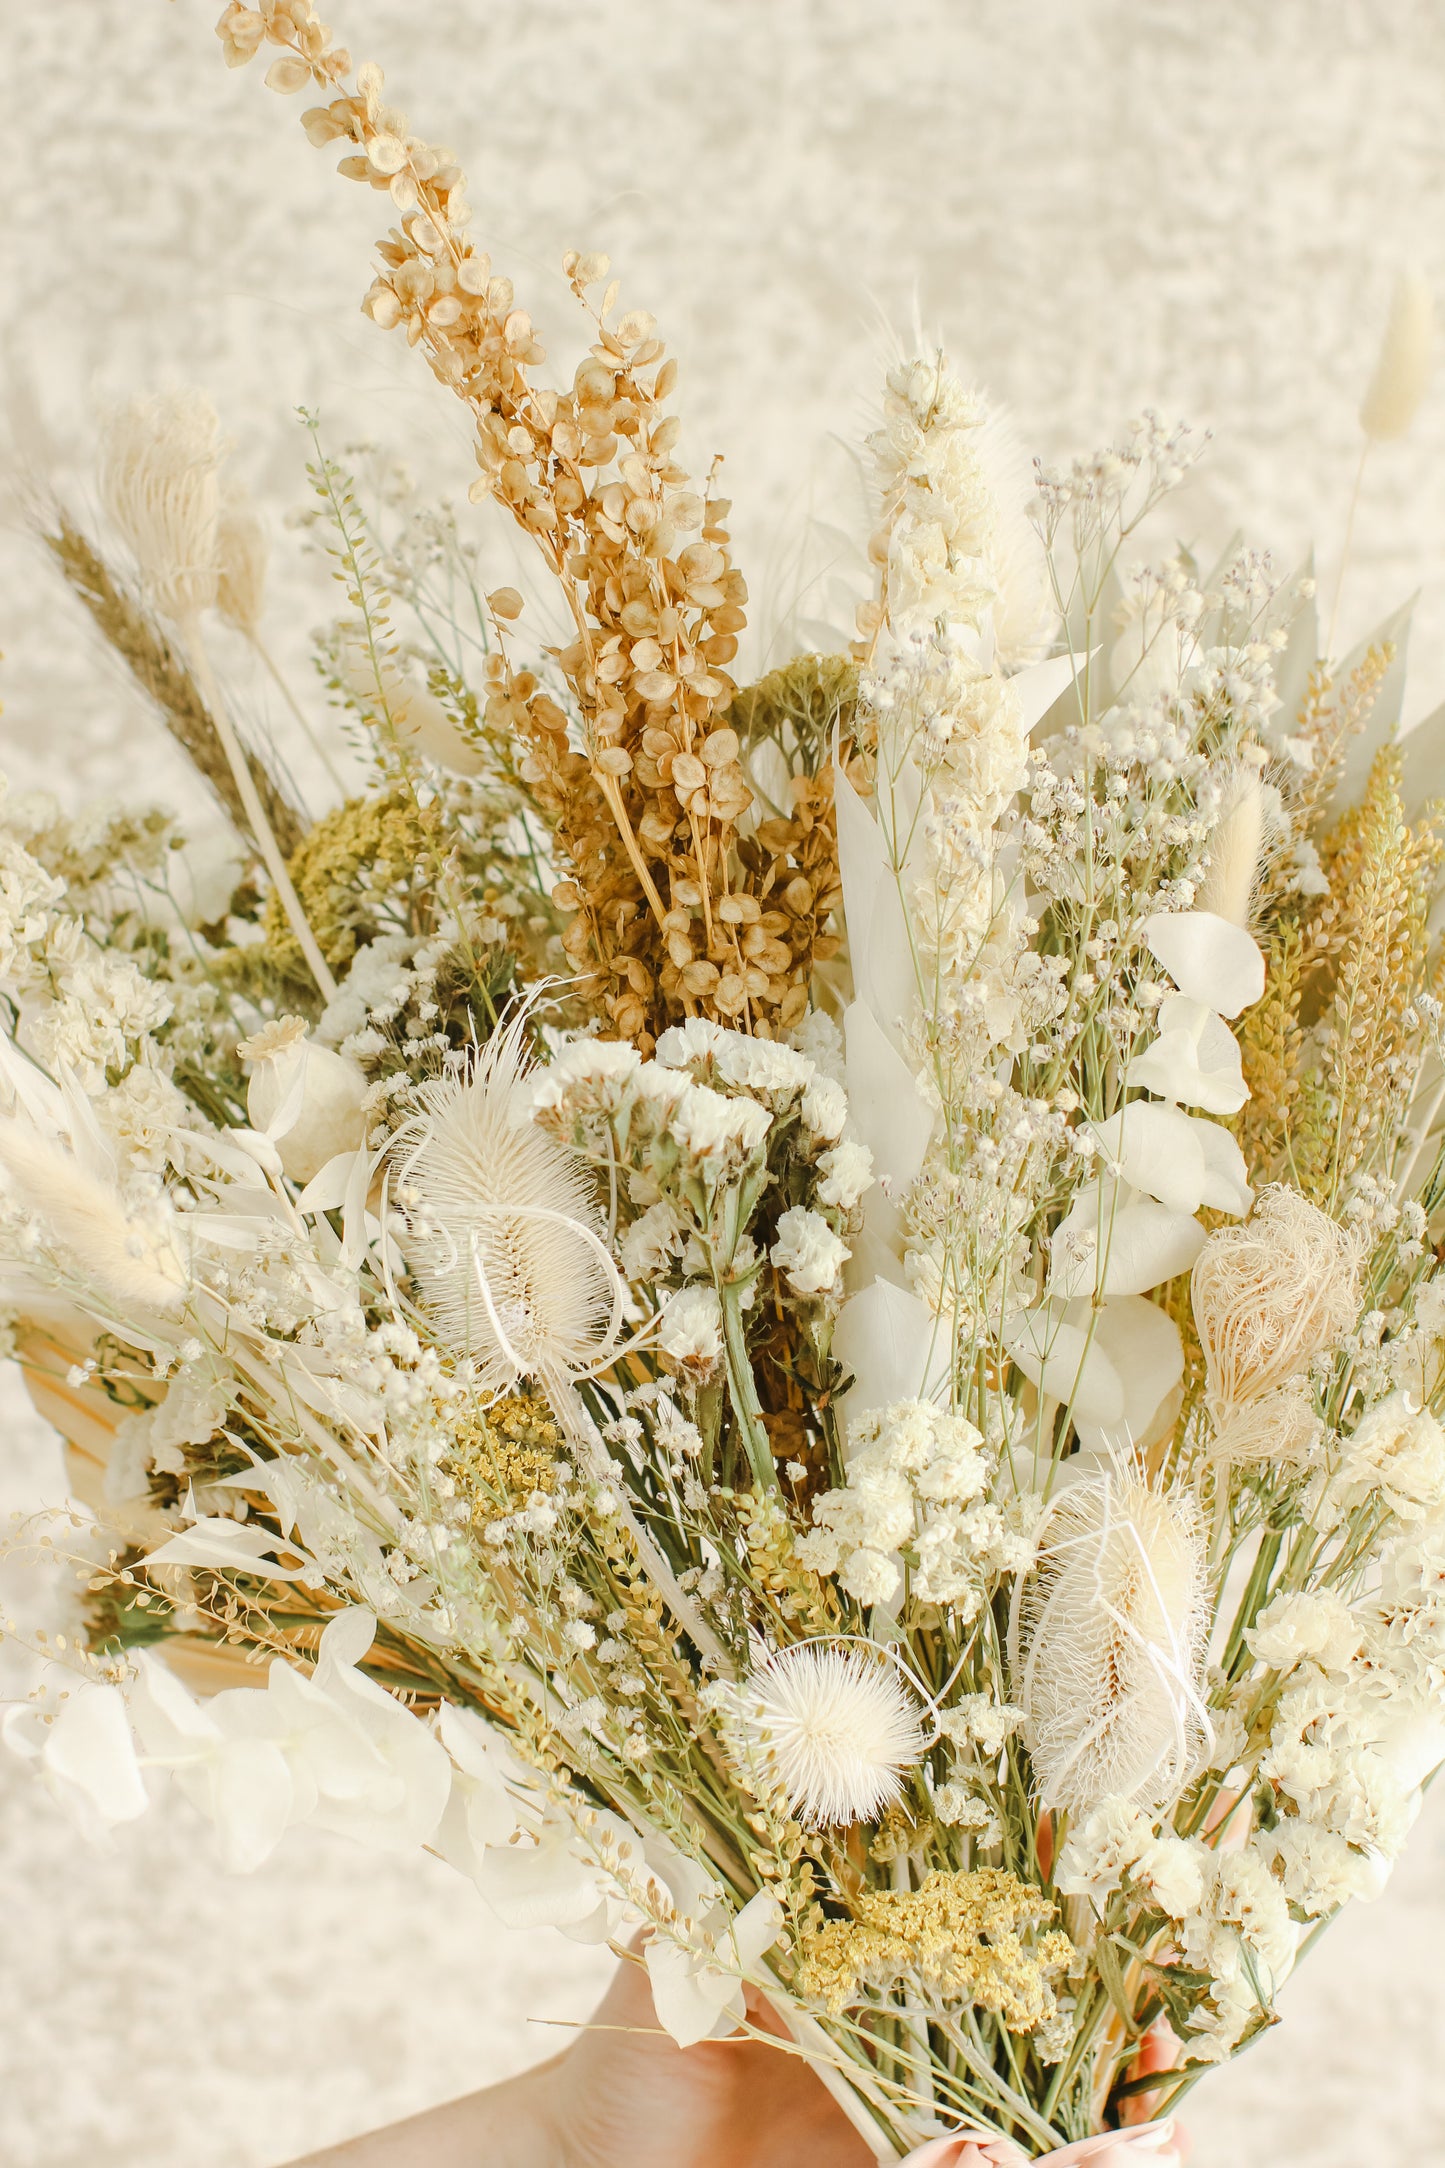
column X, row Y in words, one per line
column 958, row 1938
column 506, row 1454
column 355, row 873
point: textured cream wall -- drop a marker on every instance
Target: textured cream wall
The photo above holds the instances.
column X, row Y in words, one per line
column 1101, row 204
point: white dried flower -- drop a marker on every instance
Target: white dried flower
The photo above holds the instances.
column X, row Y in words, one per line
column 1267, row 1297
column 691, row 1329
column 807, row 1252
column 1113, row 1621
column 833, row 1728
column 506, row 1248
column 847, row 1171
column 132, row 1257
column 159, row 479
column 1396, row 1453
column 306, row 1098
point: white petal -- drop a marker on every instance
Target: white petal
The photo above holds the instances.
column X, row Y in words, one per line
column 1194, row 1061
column 756, row 1928
column 688, row 1995
column 1144, row 1346
column 251, row 1801
column 892, row 1343
column 1054, row 1349
column 1157, row 1150
column 1226, row 1182
column 887, row 1109
column 878, row 946
column 1209, row 958
column 89, row 1749
column 539, row 1885
column 1144, row 1244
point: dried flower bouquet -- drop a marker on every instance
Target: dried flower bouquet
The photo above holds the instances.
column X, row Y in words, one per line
column 803, row 1314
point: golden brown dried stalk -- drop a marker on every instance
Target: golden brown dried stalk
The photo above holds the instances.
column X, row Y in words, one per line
column 673, row 912
column 163, row 676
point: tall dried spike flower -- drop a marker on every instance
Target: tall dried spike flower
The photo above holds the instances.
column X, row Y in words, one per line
column 1267, row 1298
column 1406, row 359
column 505, row 1243
column 160, row 483
column 1112, row 1624
column 833, row 1728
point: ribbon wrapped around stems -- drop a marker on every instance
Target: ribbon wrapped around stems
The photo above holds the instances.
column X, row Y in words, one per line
column 1145, row 2145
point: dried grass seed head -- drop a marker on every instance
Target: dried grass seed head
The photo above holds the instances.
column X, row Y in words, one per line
column 160, row 483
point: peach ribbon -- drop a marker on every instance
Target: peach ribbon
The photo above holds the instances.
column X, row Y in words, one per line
column 1154, row 2143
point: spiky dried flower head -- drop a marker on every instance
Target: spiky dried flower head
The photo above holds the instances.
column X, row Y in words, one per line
column 504, row 1240
column 833, row 1728
column 1110, row 1631
column 1407, row 356
column 1267, row 1298
column 160, row 482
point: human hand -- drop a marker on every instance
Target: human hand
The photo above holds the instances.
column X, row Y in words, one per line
column 624, row 2095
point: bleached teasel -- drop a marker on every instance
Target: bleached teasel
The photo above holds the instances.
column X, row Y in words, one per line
column 1108, row 1642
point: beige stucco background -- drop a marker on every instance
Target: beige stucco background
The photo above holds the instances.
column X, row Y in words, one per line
column 1100, row 204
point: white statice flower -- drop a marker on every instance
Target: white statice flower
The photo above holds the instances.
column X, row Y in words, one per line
column 914, row 1477
column 1396, row 1453
column 106, row 1010
column 693, row 1042
column 28, row 896
column 1100, row 1850
column 1317, row 1869
column 719, row 1132
column 977, row 1721
column 833, row 1728
column 148, row 1119
column 807, row 1252
column 847, row 1171
column 765, row 1066
column 824, row 1109
column 653, row 1243
column 691, row 1331
column 1306, row 1625
column 585, row 1073
column 958, row 1806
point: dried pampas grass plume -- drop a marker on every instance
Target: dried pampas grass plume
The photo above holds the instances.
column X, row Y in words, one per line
column 505, row 1244
column 241, row 559
column 1267, row 1298
column 1111, row 1626
column 160, row 483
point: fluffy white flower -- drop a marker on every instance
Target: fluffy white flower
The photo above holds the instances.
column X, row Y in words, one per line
column 1396, row 1452
column 691, row 1329
column 710, row 1126
column 847, row 1170
column 807, row 1252
column 1303, row 1626
column 833, row 1728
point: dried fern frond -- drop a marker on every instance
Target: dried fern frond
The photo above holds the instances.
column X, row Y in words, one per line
column 162, row 676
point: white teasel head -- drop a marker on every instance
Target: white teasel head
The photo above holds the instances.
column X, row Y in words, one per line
column 833, row 1728
column 505, row 1242
column 160, row 482
column 1108, row 1641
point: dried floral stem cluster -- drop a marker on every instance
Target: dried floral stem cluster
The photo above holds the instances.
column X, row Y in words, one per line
column 680, row 913
column 807, row 1314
